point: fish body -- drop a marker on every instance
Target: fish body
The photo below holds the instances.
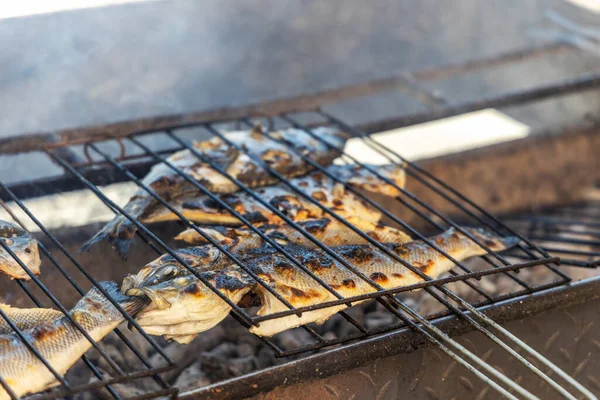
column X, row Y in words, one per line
column 246, row 244
column 169, row 185
column 174, row 310
column 57, row 339
column 25, row 247
column 325, row 190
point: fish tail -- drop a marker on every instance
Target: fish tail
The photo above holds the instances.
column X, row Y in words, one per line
column 119, row 233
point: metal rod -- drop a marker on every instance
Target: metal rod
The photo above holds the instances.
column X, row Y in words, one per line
column 568, row 86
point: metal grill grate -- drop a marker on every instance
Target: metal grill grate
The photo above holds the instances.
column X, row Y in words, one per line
column 571, row 233
column 99, row 159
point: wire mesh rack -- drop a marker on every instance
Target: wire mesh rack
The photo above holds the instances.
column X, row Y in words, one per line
column 570, row 232
column 124, row 153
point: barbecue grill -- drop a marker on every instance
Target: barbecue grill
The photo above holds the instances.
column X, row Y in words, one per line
column 476, row 296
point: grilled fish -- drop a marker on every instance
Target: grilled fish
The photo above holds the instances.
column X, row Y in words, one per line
column 58, row 340
column 320, row 187
column 246, row 244
column 184, row 306
column 168, row 184
column 25, row 247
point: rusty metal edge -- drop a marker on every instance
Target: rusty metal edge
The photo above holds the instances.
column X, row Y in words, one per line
column 36, row 141
column 342, row 359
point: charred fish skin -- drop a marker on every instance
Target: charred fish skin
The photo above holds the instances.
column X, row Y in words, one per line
column 388, row 273
column 25, row 247
column 168, row 184
column 299, row 289
column 59, row 341
column 245, row 244
column 318, row 186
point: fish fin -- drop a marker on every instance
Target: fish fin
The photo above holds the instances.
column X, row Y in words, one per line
column 119, row 233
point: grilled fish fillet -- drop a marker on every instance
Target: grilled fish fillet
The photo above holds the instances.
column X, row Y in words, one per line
column 246, row 244
column 184, row 306
column 25, row 247
column 320, row 187
column 169, row 185
column 57, row 339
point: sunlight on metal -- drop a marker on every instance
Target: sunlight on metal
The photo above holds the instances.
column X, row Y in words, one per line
column 445, row 136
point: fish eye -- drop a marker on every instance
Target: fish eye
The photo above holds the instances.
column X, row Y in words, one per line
column 169, row 271
column 180, row 281
column 28, row 250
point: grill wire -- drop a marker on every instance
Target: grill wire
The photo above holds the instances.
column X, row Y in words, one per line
column 102, row 163
column 571, row 233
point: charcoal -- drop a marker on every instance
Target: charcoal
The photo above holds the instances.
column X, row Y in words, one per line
column 241, row 366
column 265, row 358
column 184, row 355
column 224, row 350
column 246, row 350
column 192, row 377
column 216, row 367
column 380, row 319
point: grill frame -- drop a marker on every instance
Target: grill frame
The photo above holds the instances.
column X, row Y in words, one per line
column 62, row 140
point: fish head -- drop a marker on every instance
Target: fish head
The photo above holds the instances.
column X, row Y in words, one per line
column 492, row 240
column 166, row 267
column 25, row 248
column 164, row 294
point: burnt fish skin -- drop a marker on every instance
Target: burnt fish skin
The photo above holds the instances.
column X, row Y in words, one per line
column 246, row 244
column 169, row 185
column 317, row 185
column 57, row 339
column 25, row 247
column 184, row 306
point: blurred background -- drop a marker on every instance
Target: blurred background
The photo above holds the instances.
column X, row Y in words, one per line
column 70, row 63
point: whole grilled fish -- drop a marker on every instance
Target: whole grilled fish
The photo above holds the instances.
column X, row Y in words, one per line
column 184, row 306
column 246, row 244
column 168, row 184
column 320, row 187
column 57, row 339
column 25, row 247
